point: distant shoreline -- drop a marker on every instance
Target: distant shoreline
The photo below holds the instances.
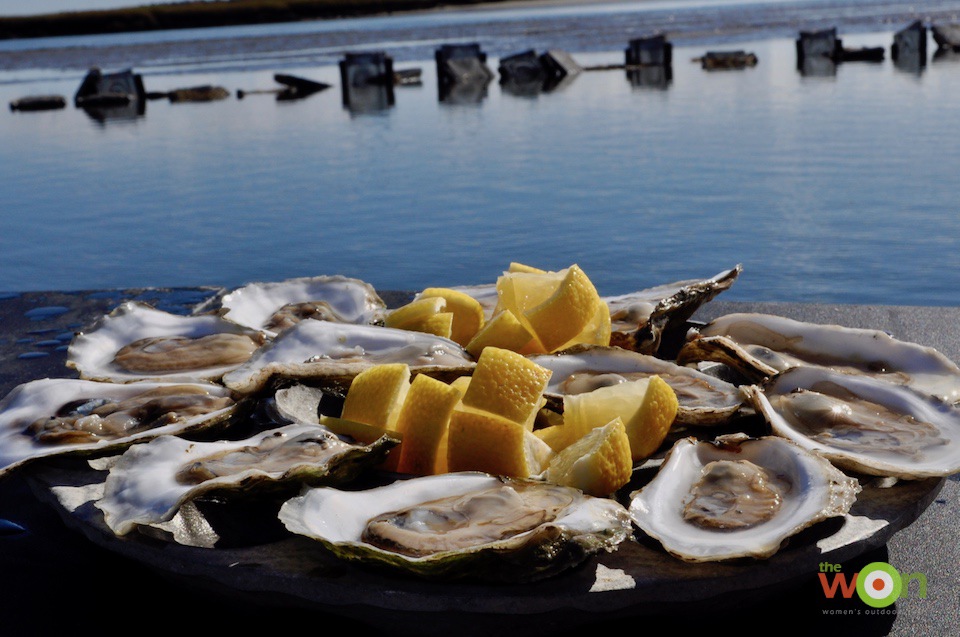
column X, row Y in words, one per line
column 189, row 15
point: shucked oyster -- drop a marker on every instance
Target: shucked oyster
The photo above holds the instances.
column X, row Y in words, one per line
column 335, row 352
column 54, row 416
column 861, row 423
column 461, row 525
column 704, row 399
column 738, row 497
column 273, row 307
column 640, row 319
column 138, row 342
column 150, row 482
column 761, row 345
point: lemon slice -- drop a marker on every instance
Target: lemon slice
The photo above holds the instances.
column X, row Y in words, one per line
column 522, row 267
column 467, row 312
column 504, row 330
column 597, row 332
column 461, row 383
column 523, row 290
column 479, row 441
column 507, row 384
column 440, row 324
column 414, row 312
column 423, row 423
column 376, row 395
column 647, row 407
column 567, row 312
column 598, row 464
column 556, row 436
column 654, row 419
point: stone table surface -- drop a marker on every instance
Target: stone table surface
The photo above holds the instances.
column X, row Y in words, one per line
column 56, row 578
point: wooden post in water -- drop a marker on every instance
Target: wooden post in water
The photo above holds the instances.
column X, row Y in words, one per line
column 527, row 73
column 649, row 61
column 366, row 80
column 817, row 52
column 462, row 72
column 909, row 48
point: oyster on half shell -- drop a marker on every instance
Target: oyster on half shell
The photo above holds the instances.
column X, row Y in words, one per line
column 738, row 497
column 138, row 342
column 53, row 416
column 861, row 423
column 150, row 482
column 703, row 399
column 761, row 345
column 639, row 320
column 461, row 525
column 333, row 353
column 274, row 306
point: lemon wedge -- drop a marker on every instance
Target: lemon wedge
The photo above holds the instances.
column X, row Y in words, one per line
column 504, row 330
column 467, row 312
column 479, row 441
column 567, row 312
column 507, row 384
column 415, row 312
column 423, row 422
column 376, row 395
column 647, row 407
column 598, row 464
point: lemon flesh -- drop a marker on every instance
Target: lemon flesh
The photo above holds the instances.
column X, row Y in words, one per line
column 647, row 406
column 598, row 464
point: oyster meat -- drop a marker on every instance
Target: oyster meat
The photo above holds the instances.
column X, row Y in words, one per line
column 762, row 345
column 703, row 399
column 273, row 307
column 138, row 342
column 150, row 482
column 465, row 524
column 861, row 423
column 334, row 353
column 639, row 320
column 738, row 497
column 54, row 416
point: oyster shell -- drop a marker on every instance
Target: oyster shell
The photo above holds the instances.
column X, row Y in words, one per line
column 639, row 320
column 273, row 307
column 138, row 342
column 333, row 353
column 53, row 416
column 861, row 423
column 738, row 497
column 762, row 345
column 150, row 482
column 461, row 525
column 704, row 399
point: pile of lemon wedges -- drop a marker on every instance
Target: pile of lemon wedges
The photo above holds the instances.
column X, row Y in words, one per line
column 496, row 420
column 537, row 312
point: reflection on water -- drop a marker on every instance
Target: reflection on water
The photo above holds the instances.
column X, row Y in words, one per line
column 834, row 187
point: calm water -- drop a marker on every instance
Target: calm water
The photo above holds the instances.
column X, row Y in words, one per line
column 841, row 188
